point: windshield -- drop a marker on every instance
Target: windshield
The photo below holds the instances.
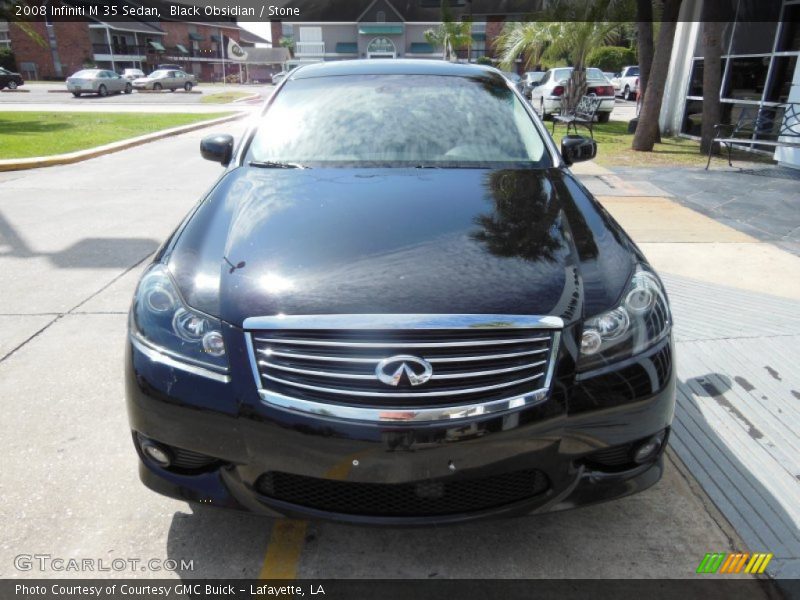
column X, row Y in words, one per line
column 398, row 120
column 87, row 74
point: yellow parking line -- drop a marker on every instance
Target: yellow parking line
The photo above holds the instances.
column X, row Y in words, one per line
column 288, row 535
column 283, row 550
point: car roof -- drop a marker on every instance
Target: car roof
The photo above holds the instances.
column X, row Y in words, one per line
column 390, row 67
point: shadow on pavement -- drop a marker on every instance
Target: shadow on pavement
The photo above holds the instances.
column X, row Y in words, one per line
column 88, row 253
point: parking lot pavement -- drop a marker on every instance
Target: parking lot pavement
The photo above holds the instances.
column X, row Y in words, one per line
column 74, row 239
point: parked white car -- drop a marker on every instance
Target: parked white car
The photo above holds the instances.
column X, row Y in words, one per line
column 131, row 74
column 546, row 97
column 626, row 82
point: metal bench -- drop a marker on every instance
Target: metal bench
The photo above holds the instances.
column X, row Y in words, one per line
column 757, row 127
column 583, row 114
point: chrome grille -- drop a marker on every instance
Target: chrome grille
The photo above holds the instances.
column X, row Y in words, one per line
column 338, row 366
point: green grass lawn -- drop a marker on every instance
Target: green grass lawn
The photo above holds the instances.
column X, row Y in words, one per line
column 223, row 97
column 614, row 149
column 28, row 134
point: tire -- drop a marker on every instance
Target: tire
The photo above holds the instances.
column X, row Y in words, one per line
column 156, row 87
column 12, row 85
column 76, row 94
column 102, row 91
column 128, row 88
column 188, row 86
column 603, row 117
column 626, row 95
column 171, row 89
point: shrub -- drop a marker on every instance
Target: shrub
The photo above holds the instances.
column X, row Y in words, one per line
column 611, row 58
column 7, row 60
column 484, row 60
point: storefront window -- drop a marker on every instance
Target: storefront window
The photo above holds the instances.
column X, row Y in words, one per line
column 746, row 78
column 789, row 39
column 696, row 81
column 783, row 68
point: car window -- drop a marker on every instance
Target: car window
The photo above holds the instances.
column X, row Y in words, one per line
column 398, row 120
column 633, row 71
column 546, row 77
column 592, row 73
column 559, row 74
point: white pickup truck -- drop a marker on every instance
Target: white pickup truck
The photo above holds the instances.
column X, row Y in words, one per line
column 626, row 82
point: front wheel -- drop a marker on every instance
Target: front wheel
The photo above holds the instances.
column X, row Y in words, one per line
column 102, row 91
column 76, row 94
column 603, row 117
column 128, row 88
column 188, row 86
column 12, row 85
column 156, row 87
column 627, row 93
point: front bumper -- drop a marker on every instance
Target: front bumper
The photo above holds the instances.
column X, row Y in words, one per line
column 227, row 421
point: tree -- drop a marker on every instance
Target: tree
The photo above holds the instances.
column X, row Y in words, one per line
column 647, row 129
column 570, row 28
column 713, row 25
column 611, row 58
column 287, row 42
column 528, row 40
column 644, row 35
column 451, row 35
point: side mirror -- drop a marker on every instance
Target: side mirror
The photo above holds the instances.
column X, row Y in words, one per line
column 217, row 148
column 576, row 148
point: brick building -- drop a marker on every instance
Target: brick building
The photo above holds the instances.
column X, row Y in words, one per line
column 116, row 45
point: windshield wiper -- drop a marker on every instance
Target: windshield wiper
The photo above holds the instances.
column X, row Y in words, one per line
column 267, row 164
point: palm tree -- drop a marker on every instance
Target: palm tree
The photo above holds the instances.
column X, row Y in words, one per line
column 570, row 28
column 451, row 36
column 529, row 40
column 647, row 129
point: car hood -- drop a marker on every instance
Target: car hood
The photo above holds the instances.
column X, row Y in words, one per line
column 410, row 241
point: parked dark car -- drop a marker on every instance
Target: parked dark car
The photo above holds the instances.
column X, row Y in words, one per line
column 398, row 306
column 9, row 79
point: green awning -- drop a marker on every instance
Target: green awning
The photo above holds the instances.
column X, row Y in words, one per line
column 347, row 48
column 157, row 46
column 216, row 38
column 421, row 48
column 196, row 37
column 380, row 29
column 181, row 48
column 479, row 37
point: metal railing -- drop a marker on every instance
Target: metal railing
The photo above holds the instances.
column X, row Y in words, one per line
column 309, row 48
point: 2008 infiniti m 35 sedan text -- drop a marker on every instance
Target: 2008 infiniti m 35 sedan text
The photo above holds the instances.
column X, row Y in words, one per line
column 398, row 306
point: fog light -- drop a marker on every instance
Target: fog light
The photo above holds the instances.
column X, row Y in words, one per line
column 649, row 449
column 156, row 453
column 213, row 343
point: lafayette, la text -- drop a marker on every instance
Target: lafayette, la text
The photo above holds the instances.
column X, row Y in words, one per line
column 181, row 589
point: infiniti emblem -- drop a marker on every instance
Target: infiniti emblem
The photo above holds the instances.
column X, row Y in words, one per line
column 390, row 370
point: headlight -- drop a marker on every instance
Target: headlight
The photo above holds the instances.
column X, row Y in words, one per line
column 641, row 320
column 161, row 318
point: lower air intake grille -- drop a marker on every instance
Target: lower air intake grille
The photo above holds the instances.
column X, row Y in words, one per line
column 424, row 498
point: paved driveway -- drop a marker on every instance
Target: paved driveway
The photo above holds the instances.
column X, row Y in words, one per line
column 73, row 241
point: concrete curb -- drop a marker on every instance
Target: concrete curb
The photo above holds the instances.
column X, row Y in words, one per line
column 20, row 164
column 253, row 96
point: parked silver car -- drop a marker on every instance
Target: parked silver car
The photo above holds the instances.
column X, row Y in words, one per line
column 546, row 97
column 132, row 74
column 166, row 79
column 97, row 81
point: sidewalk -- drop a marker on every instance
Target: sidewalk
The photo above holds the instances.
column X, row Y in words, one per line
column 735, row 297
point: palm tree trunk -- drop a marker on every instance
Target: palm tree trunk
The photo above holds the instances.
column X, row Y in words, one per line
column 647, row 130
column 712, row 77
column 644, row 28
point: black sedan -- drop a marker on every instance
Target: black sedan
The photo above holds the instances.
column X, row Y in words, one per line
column 398, row 306
column 9, row 79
